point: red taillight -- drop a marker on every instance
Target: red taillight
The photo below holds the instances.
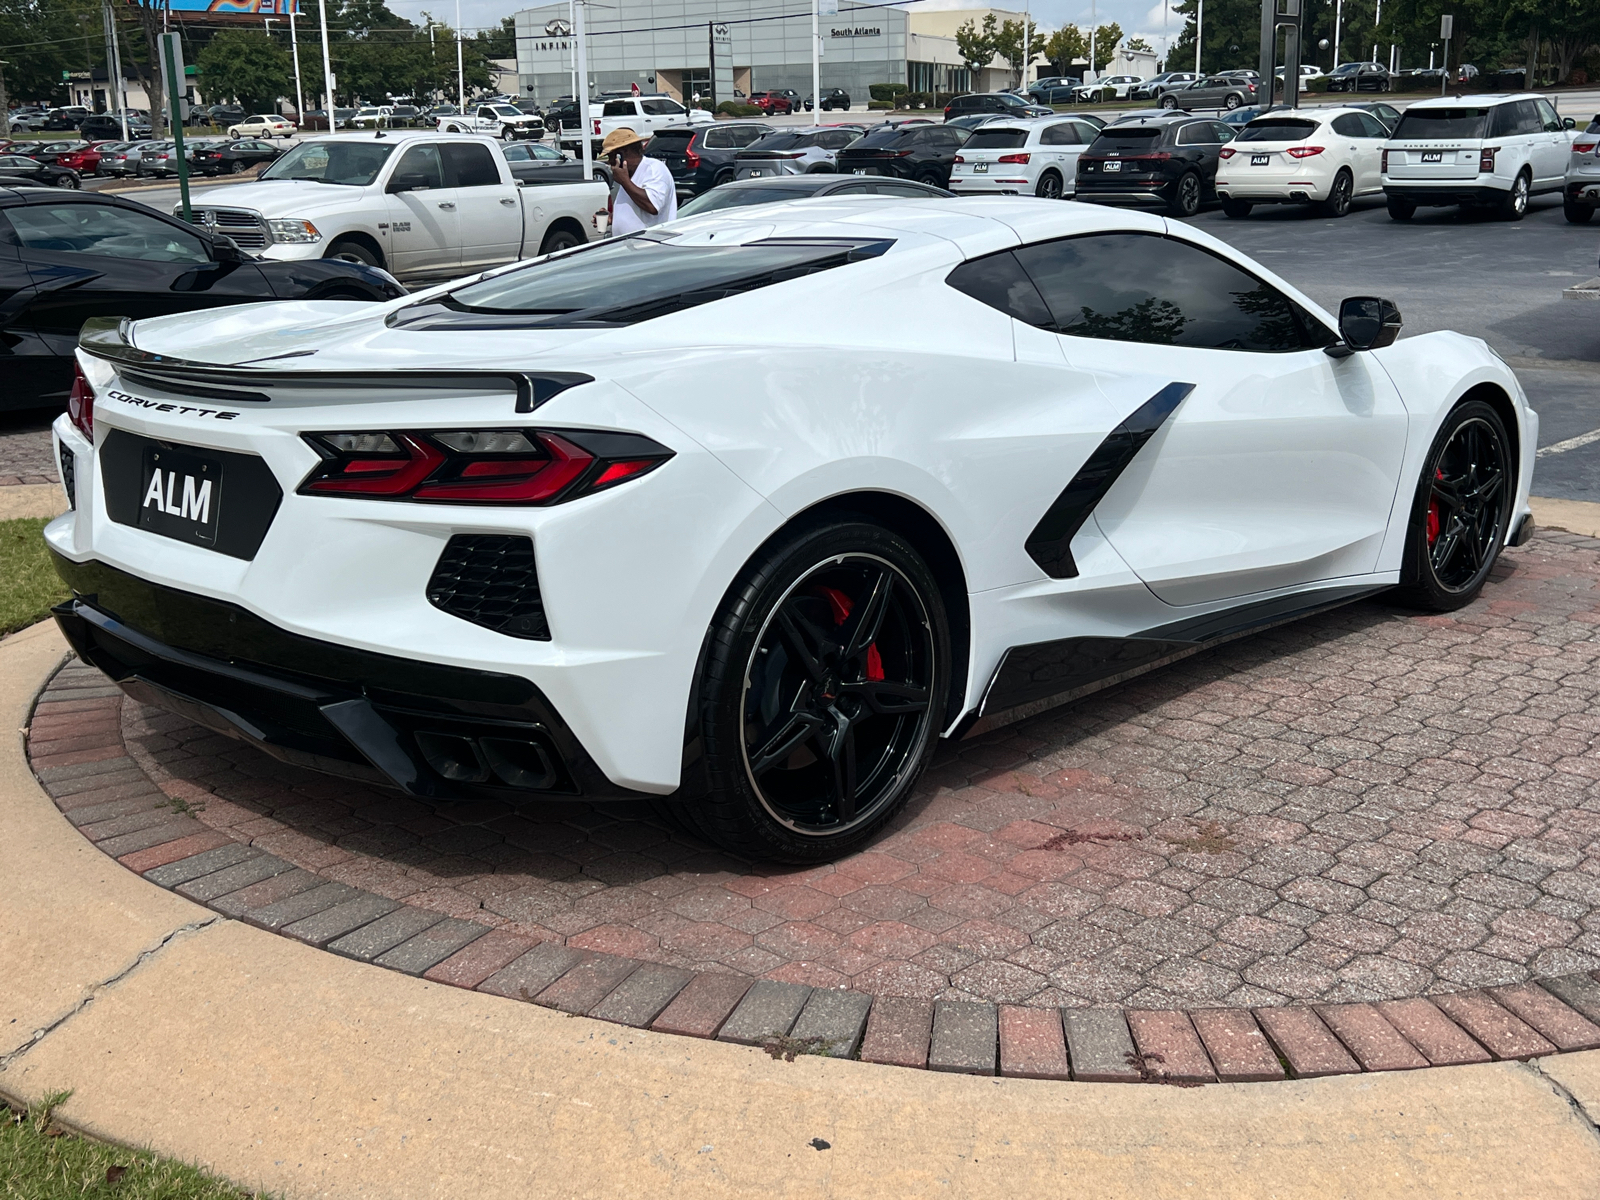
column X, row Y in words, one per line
column 597, row 127
column 80, row 403
column 1584, row 147
column 1486, row 160
column 958, row 158
column 1021, row 159
column 478, row 466
column 899, row 153
column 1304, row 151
column 1226, row 152
column 1384, row 165
column 690, row 158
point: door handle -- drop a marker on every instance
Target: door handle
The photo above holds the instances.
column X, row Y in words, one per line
column 447, row 204
column 507, row 201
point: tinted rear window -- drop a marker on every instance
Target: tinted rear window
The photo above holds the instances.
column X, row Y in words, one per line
column 619, row 108
column 1442, row 123
column 878, row 138
column 1131, row 139
column 997, row 139
column 1276, row 130
column 673, row 135
column 774, row 141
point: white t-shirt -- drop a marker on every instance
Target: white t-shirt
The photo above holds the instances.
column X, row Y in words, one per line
column 653, row 177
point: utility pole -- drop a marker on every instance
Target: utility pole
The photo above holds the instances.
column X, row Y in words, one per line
column 1338, row 24
column 581, row 49
column 1094, row 68
column 816, row 65
column 327, row 64
column 294, row 48
column 113, row 69
column 461, row 73
column 1446, row 28
column 1027, row 59
column 1199, row 33
column 172, row 64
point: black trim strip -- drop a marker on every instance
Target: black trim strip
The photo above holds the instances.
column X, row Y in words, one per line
column 1042, row 675
column 107, row 338
column 1050, row 543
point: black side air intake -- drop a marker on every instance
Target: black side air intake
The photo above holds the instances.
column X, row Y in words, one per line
column 491, row 580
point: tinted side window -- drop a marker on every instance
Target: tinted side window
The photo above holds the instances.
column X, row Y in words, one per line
column 618, row 108
column 719, row 139
column 745, row 134
column 999, row 281
column 1372, row 127
column 1547, row 116
column 1198, row 134
column 104, row 230
column 423, row 161
column 661, row 108
column 1528, row 117
column 1143, row 288
column 836, row 139
column 1348, row 126
column 470, row 165
column 1224, row 132
column 1064, row 133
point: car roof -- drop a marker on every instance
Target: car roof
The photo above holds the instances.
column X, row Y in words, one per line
column 1474, row 101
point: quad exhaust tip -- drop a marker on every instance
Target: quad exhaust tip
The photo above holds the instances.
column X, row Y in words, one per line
column 512, row 762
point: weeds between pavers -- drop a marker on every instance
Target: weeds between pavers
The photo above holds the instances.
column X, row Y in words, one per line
column 41, row 1161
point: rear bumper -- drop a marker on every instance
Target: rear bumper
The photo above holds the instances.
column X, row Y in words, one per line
column 427, row 729
column 1445, row 192
column 1584, row 191
column 767, row 170
column 1095, row 193
column 1273, row 193
column 982, row 185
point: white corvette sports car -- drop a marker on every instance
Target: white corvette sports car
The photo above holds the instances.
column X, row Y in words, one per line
column 574, row 528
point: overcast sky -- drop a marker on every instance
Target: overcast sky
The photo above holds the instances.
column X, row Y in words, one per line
column 1135, row 16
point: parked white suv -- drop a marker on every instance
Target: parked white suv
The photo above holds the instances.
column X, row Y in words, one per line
column 1022, row 158
column 645, row 115
column 266, row 125
column 1583, row 176
column 1321, row 156
column 1487, row 151
column 1119, row 84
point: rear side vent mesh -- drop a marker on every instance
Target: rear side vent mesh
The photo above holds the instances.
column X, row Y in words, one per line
column 490, row 580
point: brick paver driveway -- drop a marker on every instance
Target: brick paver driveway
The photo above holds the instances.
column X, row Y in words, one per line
column 1366, row 805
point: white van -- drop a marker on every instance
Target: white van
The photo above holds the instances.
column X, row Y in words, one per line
column 1477, row 151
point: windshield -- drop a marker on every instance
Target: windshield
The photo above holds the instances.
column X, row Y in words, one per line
column 996, row 139
column 635, row 278
column 355, row 164
column 1442, row 123
column 740, row 197
column 1276, row 130
column 505, row 110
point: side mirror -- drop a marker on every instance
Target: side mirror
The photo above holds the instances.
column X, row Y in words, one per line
column 410, row 181
column 1568, row 123
column 225, row 250
column 1366, row 323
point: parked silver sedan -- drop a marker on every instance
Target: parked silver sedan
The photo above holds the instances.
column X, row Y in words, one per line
column 795, row 152
column 125, row 161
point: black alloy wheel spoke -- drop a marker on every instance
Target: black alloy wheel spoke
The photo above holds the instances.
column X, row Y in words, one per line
column 841, row 754
column 1467, row 494
column 888, row 699
column 800, row 728
column 808, row 643
column 868, row 617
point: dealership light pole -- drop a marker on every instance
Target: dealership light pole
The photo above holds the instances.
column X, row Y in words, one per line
column 461, row 74
column 327, row 65
column 816, row 65
column 1199, row 32
column 294, row 48
column 581, row 50
column 114, row 69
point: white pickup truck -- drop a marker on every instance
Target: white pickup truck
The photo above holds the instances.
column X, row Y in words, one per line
column 497, row 120
column 642, row 114
column 422, row 206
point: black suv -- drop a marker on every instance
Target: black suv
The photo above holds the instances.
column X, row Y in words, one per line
column 831, row 99
column 995, row 102
column 701, row 156
column 1170, row 162
column 1360, row 77
column 921, row 152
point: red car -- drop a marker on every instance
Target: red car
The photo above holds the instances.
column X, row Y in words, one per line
column 85, row 161
column 784, row 100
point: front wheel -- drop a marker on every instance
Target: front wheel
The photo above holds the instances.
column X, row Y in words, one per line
column 1577, row 214
column 822, row 693
column 1461, row 511
column 1338, row 201
column 352, row 251
column 1168, row 102
column 1185, row 200
column 1514, row 204
column 1401, row 210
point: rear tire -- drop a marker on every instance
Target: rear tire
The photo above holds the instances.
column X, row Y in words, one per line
column 1338, row 201
column 1238, row 210
column 559, row 239
column 236, row 167
column 822, row 693
column 1185, row 200
column 1401, row 210
column 1577, row 214
column 1460, row 512
column 1230, row 102
column 725, row 176
column 69, row 182
column 1050, row 187
column 1514, row 204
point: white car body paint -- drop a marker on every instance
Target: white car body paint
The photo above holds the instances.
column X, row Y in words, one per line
column 1279, row 474
column 1267, row 171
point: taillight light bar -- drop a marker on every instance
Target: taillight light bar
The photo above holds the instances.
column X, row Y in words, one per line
column 1021, row 159
column 1384, row 165
column 1226, row 152
column 1584, row 147
column 1304, row 151
column 478, row 466
column 80, row 403
column 1486, row 160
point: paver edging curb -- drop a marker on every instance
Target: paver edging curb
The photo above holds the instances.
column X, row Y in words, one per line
column 98, row 785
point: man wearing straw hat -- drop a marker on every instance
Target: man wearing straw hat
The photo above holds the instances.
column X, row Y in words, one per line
column 646, row 194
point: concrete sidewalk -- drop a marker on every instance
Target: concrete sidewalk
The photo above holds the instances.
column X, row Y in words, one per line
column 290, row 1068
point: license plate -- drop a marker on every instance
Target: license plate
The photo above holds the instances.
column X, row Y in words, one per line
column 1432, row 156
column 1112, row 166
column 181, row 495
column 980, row 168
column 1260, row 160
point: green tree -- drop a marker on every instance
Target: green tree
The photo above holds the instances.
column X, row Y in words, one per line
column 1065, row 46
column 1008, row 45
column 497, row 43
column 1137, row 43
column 977, row 47
column 248, row 66
column 39, row 39
column 1105, row 44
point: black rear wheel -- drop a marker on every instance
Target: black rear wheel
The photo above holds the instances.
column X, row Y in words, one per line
column 1185, row 201
column 1338, row 201
column 1049, row 186
column 1461, row 510
column 822, row 694
column 1578, row 214
column 1236, row 209
column 1401, row 210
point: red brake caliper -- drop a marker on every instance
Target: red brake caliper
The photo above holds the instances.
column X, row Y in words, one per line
column 840, row 603
column 1433, row 512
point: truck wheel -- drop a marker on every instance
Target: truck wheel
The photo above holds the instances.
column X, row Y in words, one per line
column 1400, row 209
column 452, row 129
column 559, row 239
column 351, row 251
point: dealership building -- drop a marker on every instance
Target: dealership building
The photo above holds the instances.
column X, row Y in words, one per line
column 668, row 46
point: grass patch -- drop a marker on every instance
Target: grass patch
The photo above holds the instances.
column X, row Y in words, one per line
column 39, row 1161
column 29, row 584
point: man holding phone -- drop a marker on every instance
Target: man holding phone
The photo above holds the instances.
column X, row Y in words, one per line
column 646, row 194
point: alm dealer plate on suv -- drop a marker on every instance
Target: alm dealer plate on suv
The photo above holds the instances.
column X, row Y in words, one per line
column 180, row 495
